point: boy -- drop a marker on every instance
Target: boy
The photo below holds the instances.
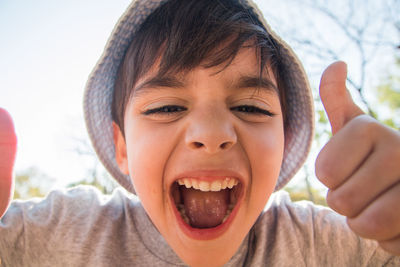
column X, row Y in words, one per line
column 202, row 112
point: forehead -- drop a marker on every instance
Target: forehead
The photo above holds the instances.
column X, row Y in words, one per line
column 244, row 71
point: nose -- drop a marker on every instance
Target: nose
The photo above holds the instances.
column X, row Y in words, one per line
column 211, row 131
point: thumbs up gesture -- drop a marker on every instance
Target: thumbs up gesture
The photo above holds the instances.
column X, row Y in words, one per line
column 8, row 148
column 360, row 165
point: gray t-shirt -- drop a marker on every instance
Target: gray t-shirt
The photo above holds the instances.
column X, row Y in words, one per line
column 82, row 227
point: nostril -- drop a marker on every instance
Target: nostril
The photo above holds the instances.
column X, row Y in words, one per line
column 222, row 146
column 197, row 144
column 225, row 145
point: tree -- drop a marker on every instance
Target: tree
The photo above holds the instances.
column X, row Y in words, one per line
column 389, row 94
column 96, row 176
column 32, row 182
column 363, row 33
column 298, row 193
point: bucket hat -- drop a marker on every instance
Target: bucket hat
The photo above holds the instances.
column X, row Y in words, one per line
column 299, row 128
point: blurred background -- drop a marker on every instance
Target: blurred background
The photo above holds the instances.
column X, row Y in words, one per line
column 48, row 48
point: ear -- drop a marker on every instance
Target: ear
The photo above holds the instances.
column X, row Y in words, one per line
column 120, row 149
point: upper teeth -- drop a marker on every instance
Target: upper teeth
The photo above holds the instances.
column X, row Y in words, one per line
column 206, row 186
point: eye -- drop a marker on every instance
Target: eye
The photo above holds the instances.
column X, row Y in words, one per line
column 252, row 110
column 167, row 110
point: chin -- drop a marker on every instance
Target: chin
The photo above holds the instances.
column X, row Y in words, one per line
column 206, row 260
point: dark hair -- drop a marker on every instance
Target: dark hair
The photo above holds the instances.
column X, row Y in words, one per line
column 190, row 33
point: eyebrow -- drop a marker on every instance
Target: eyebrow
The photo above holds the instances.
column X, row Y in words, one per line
column 173, row 82
column 257, row 82
column 159, row 82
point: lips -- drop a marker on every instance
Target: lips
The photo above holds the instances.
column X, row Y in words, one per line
column 206, row 205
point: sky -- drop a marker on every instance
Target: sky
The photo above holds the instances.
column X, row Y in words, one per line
column 47, row 50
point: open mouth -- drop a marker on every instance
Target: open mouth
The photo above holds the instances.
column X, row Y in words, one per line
column 205, row 204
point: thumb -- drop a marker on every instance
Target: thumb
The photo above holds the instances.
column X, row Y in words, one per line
column 336, row 98
column 8, row 148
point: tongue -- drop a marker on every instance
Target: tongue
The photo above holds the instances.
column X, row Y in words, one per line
column 205, row 209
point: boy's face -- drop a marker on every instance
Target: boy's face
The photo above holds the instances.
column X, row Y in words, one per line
column 202, row 128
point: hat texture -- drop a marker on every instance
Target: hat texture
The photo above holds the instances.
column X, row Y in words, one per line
column 99, row 93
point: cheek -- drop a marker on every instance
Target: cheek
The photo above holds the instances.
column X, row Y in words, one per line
column 266, row 146
column 266, row 159
column 148, row 149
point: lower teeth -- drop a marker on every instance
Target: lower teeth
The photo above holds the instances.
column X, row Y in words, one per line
column 181, row 209
column 228, row 212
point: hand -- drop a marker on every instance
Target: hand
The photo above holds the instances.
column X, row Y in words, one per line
column 360, row 165
column 8, row 148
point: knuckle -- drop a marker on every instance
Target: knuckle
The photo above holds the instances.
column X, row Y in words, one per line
column 324, row 169
column 372, row 226
column 341, row 202
column 393, row 154
column 364, row 126
column 389, row 159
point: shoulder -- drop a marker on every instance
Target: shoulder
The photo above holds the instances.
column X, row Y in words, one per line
column 69, row 205
column 280, row 209
column 301, row 222
column 313, row 235
column 66, row 226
